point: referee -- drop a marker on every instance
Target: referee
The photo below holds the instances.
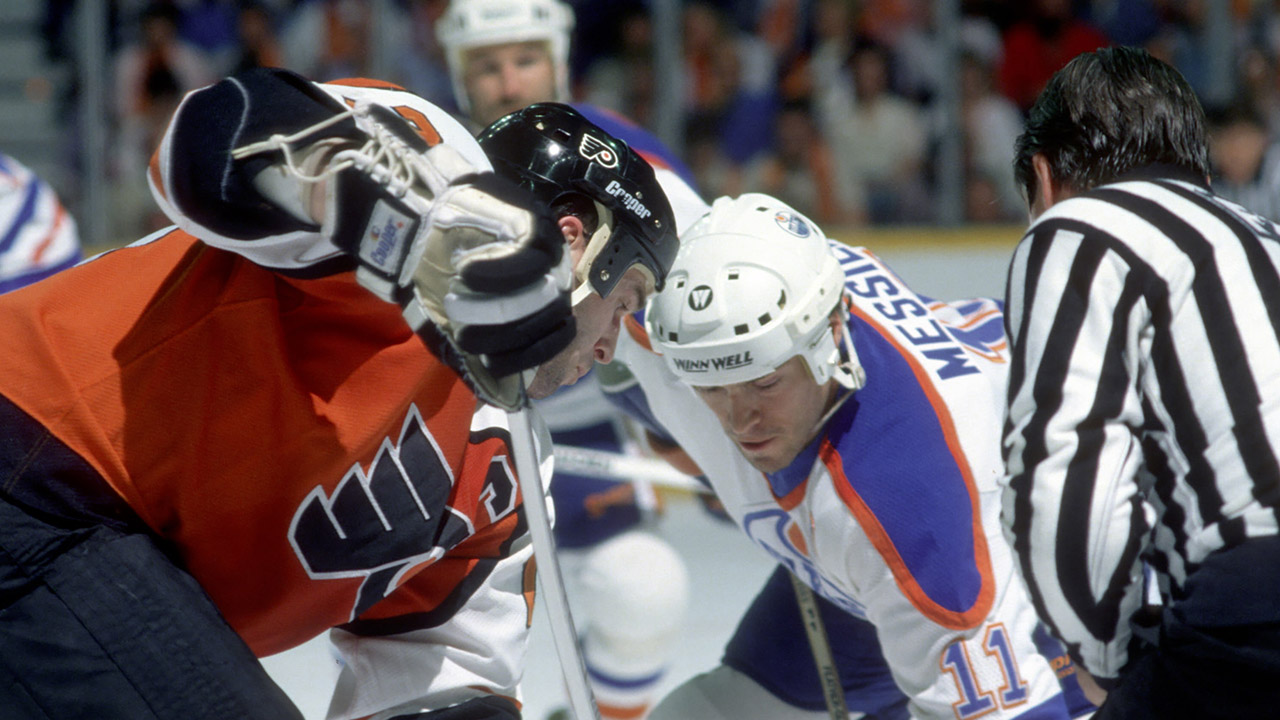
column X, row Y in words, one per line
column 1143, row 485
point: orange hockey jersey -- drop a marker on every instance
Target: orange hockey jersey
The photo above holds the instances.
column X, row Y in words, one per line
column 310, row 460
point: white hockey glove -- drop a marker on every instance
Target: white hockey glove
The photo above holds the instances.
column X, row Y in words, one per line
column 470, row 258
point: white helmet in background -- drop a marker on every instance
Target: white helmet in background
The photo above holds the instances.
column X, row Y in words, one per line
column 468, row 24
column 754, row 285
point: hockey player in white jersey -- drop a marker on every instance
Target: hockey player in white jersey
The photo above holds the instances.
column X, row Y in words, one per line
column 851, row 429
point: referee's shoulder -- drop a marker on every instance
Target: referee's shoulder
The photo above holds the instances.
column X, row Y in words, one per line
column 1138, row 201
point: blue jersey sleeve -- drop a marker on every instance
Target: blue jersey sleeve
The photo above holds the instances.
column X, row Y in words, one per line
column 901, row 472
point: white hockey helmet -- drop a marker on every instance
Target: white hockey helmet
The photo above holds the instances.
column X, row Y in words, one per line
column 754, row 284
column 469, row 24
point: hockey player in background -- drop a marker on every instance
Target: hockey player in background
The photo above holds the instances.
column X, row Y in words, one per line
column 37, row 235
column 285, row 415
column 851, row 428
column 626, row 583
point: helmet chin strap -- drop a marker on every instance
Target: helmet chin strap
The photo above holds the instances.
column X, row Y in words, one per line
column 599, row 239
column 848, row 374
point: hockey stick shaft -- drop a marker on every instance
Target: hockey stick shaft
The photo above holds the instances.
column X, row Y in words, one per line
column 624, row 468
column 563, row 633
column 820, row 646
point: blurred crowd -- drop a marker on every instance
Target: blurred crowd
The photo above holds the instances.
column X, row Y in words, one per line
column 831, row 105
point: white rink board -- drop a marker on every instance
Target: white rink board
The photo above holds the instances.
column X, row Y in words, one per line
column 944, row 264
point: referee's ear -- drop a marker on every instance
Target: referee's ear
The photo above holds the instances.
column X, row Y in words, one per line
column 1048, row 191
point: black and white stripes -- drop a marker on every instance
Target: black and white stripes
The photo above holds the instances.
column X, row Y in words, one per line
column 1144, row 399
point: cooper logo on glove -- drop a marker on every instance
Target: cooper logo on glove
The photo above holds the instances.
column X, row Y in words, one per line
column 385, row 237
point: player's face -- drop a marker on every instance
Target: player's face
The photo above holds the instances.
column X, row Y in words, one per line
column 772, row 418
column 501, row 79
column 598, row 320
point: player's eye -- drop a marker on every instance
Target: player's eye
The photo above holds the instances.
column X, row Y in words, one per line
column 766, row 382
column 529, row 59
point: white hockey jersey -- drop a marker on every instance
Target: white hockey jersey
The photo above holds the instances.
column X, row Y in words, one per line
column 892, row 512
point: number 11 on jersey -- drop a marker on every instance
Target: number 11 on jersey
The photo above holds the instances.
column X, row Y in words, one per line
column 974, row 700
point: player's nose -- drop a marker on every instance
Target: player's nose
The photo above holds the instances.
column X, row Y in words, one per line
column 607, row 344
column 743, row 410
column 512, row 81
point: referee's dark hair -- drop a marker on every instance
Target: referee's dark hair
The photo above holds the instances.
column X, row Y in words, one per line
column 1108, row 112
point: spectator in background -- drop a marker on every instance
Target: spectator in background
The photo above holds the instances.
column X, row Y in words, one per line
column 881, row 143
column 799, row 170
column 37, row 235
column 152, row 70
column 712, row 171
column 1259, row 87
column 1041, row 43
column 918, row 60
column 623, row 81
column 991, row 124
column 1183, row 41
column 258, row 44
column 422, row 66
column 1129, row 22
column 830, row 85
column 329, row 39
column 982, row 198
column 210, row 26
column 781, row 25
column 730, row 76
column 1246, row 161
column 151, row 75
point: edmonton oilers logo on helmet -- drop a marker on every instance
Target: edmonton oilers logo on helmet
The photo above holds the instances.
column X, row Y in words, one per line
column 792, row 223
column 700, row 297
column 593, row 148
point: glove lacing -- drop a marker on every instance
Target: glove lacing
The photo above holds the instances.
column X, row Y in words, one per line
column 385, row 157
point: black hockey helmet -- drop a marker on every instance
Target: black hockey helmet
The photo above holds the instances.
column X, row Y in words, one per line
column 553, row 150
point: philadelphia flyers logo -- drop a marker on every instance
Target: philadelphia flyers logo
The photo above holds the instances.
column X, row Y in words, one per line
column 593, row 148
column 380, row 523
column 700, row 297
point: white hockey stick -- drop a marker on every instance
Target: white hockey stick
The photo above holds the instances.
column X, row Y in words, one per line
column 820, row 646
column 624, row 468
column 563, row 634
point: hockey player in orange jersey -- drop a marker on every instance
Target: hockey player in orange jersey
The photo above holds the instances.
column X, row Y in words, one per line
column 285, row 414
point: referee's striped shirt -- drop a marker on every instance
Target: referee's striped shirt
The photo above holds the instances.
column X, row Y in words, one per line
column 1144, row 398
